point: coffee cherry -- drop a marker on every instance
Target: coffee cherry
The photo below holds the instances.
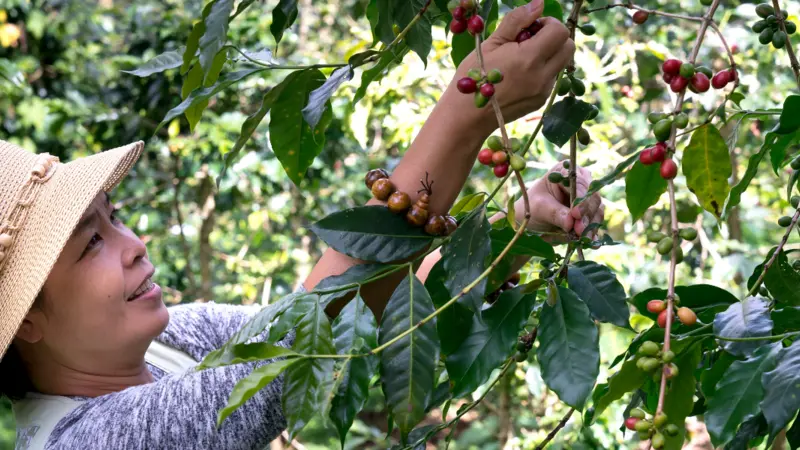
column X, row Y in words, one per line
column 668, row 77
column 565, row 164
column 686, row 70
column 501, row 170
column 524, row 35
column 765, row 10
column 765, row 37
column 630, row 423
column 663, row 129
column 658, row 153
column 649, row 348
column 795, row 164
column 593, row 113
column 669, row 169
column 650, row 364
column 721, row 79
column 656, row 306
column 772, row 20
column 520, row 357
column 668, row 356
column 672, row 371
column 671, row 66
column 687, row 316
column 522, row 347
column 487, row 90
column 655, row 236
column 494, row 76
column 499, row 158
column 638, row 413
column 374, row 175
column 640, row 17
column 657, row 441
column 475, row 74
column 655, row 117
column 555, row 177
column 790, row 27
column 564, row 86
column 399, row 202
column 785, row 221
column 485, row 156
column 678, row 84
column 678, row 255
column 795, row 201
column 495, row 142
column 779, row 39
column 517, row 163
column 662, row 319
column 643, row 435
column 672, row 430
column 583, row 136
column 467, row 85
column 480, row 100
column 382, row 189
column 450, row 225
column 578, row 88
column 452, row 5
column 475, row 24
column 700, row 82
column 646, row 157
column 460, row 13
column 536, row 26
column 705, row 71
column 588, row 29
column 458, row 26
column 469, row 5
column 660, row 420
column 435, row 226
column 689, row 234
column 664, row 246
column 759, row 26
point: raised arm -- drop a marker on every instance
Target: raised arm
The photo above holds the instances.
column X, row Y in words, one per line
column 448, row 143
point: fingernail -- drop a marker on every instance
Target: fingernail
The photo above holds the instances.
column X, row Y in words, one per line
column 534, row 5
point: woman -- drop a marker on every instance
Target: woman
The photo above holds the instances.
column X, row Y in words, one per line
column 91, row 356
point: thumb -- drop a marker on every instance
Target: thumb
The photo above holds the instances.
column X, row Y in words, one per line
column 551, row 212
column 515, row 21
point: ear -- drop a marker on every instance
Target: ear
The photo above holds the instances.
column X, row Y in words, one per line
column 31, row 330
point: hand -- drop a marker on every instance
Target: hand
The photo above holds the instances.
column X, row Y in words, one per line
column 529, row 68
column 550, row 206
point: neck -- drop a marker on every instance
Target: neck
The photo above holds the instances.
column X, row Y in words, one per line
column 51, row 376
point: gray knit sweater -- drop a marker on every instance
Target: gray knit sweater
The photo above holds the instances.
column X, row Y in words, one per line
column 180, row 411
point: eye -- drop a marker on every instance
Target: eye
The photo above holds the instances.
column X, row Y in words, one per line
column 93, row 242
column 115, row 216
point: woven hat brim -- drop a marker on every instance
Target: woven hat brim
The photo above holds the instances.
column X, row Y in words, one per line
column 53, row 216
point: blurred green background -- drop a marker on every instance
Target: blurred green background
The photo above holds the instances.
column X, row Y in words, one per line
column 62, row 91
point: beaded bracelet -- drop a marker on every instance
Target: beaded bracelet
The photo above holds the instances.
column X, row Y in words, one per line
column 398, row 202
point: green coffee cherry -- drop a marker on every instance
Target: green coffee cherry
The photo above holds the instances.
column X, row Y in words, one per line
column 494, row 76
column 655, row 117
column 790, row 27
column 678, row 255
column 779, row 39
column 785, row 221
column 565, row 183
column 495, row 143
column 578, row 88
column 765, row 10
column 688, row 234
column 520, row 357
column 638, row 413
column 552, row 295
column 475, row 74
column 764, row 292
column 517, row 163
column 759, row 26
column 662, row 129
column 649, row 348
column 668, row 356
column 565, row 164
column 650, row 364
column 765, row 37
column 660, row 420
column 681, row 120
column 452, row 5
column 564, row 86
column 687, row 70
column 658, row 441
column 545, row 273
column 772, row 20
column 593, row 113
column 643, row 435
column 522, row 347
column 672, row 430
column 516, row 145
column 583, row 136
column 643, row 425
column 705, row 71
column 664, row 246
column 555, row 177
column 546, row 263
column 655, row 236
column 480, row 100
column 796, row 163
column 588, row 29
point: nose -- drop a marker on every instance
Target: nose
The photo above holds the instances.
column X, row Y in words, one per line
column 134, row 249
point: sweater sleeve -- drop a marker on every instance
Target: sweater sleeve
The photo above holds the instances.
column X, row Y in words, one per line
column 180, row 410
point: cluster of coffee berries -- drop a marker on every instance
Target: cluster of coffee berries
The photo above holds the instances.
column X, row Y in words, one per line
column 512, row 282
column 679, row 75
column 398, row 202
column 685, row 315
column 524, row 345
column 640, row 17
column 785, row 221
column 557, row 177
column 530, row 32
column 482, row 86
column 571, row 83
column 768, row 28
column 653, row 428
column 465, row 17
column 651, row 357
column 495, row 154
column 664, row 242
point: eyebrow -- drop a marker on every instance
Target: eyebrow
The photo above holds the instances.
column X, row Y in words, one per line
column 89, row 220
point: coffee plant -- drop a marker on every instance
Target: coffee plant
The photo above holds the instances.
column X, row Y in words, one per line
column 449, row 340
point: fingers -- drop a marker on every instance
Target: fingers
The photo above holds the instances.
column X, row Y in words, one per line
column 515, row 21
column 550, row 40
column 561, row 59
column 555, row 213
column 587, row 208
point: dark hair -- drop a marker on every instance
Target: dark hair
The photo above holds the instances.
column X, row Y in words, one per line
column 14, row 381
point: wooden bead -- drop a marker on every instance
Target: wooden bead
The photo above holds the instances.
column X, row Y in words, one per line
column 5, row 240
column 39, row 170
column 435, row 226
column 2, row 256
column 382, row 189
column 417, row 216
column 450, row 225
column 399, row 202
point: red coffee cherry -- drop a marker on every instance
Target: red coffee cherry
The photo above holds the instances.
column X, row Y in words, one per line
column 668, row 77
column 469, row 5
column 640, row 17
column 630, row 423
column 700, row 82
column 458, row 26
column 460, row 13
column 662, row 319
column 659, row 152
column 467, row 85
column 485, row 156
column 656, row 306
column 671, row 66
column 720, row 79
column 499, row 158
column 646, row 157
column 687, row 316
column 524, row 35
column 475, row 24
column 678, row 84
column 669, row 169
column 501, row 170
column 535, row 27
column 487, row 90
column 732, row 75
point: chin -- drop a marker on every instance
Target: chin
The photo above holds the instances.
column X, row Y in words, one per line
column 152, row 314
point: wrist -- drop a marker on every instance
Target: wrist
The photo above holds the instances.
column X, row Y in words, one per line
column 472, row 123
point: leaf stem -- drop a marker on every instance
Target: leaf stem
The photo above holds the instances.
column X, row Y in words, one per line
column 778, row 337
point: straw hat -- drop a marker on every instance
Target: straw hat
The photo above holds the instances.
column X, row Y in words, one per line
column 41, row 202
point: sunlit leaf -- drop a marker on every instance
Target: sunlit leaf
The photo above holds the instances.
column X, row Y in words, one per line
column 707, row 167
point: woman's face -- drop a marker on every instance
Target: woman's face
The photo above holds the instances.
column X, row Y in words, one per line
column 99, row 299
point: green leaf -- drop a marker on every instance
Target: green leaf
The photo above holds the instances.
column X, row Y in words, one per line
column 643, row 187
column 747, row 319
column 192, row 81
column 408, row 366
column 552, row 8
column 382, row 26
column 782, row 280
column 466, row 256
column 598, row 287
column 389, row 59
column 777, row 151
column 463, row 44
column 199, row 96
column 565, row 119
column 216, row 33
column 710, row 378
column 193, row 43
column 781, row 400
column 736, row 97
column 568, row 348
column 294, row 142
column 792, row 183
column 738, row 393
column 735, row 196
column 786, row 319
column 419, row 37
column 609, row 178
column 627, row 379
column 527, row 245
column 453, row 324
column 353, row 232
column 243, row 5
column 318, row 99
column 468, row 203
column 165, row 61
column 247, row 387
column 706, row 300
column 751, row 429
column 241, row 353
column 283, row 16
column 355, row 277
column 289, row 319
column 251, row 123
column 492, row 339
column 353, row 328
column 790, row 116
column 707, row 167
column 306, row 386
column 679, row 398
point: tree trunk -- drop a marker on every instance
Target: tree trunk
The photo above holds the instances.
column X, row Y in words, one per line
column 206, row 199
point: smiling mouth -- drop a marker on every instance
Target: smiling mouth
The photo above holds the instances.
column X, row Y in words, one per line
column 146, row 287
